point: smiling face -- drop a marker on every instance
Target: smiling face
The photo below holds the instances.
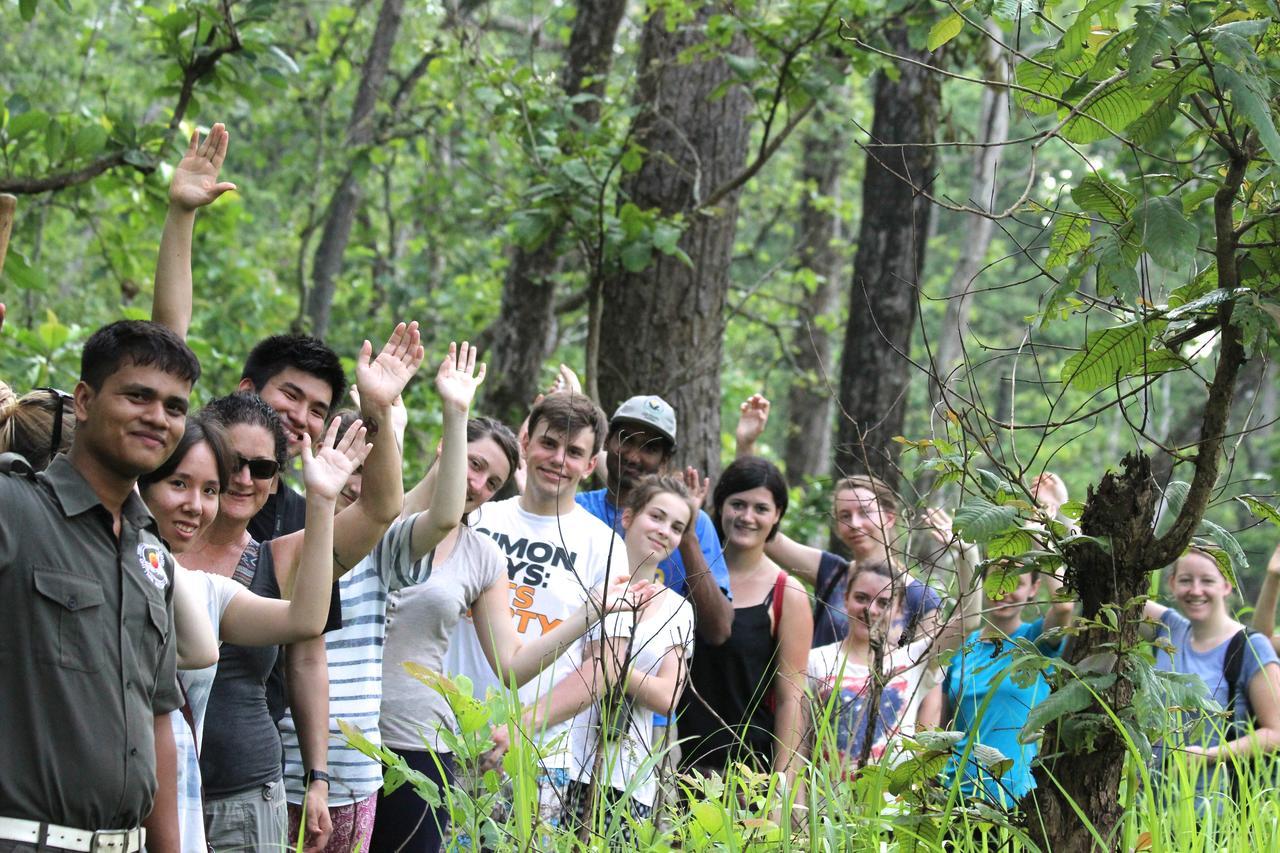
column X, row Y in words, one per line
column 1199, row 588
column 244, row 495
column 748, row 518
column 134, row 421
column 487, row 469
column 655, row 532
column 302, row 401
column 556, row 462
column 861, row 523
column 870, row 604
column 186, row 502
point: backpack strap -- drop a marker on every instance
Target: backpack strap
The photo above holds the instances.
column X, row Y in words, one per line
column 779, row 587
column 1233, row 668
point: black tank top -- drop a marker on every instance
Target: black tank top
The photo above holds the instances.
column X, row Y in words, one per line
column 731, row 682
column 241, row 747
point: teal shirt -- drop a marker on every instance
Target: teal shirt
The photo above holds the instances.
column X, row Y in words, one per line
column 989, row 705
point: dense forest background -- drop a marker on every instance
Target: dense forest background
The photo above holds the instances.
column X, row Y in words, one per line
column 700, row 216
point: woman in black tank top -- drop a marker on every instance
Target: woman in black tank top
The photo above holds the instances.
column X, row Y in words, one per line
column 744, row 701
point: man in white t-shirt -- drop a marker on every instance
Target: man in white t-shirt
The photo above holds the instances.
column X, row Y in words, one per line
column 556, row 553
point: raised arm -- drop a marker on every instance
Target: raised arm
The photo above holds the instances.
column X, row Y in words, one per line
column 194, row 185
column 802, row 561
column 456, row 381
column 1264, row 612
column 753, row 417
column 965, row 618
column 713, row 612
column 304, row 566
column 1060, row 613
column 380, row 380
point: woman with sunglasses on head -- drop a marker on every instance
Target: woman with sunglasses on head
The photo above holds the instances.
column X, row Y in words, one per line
column 183, row 496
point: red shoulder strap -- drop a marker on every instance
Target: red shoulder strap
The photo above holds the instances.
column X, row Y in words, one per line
column 779, row 587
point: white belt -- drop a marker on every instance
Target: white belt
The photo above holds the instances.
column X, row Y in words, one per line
column 66, row 838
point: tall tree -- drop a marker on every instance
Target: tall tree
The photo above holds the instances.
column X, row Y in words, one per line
column 347, row 198
column 663, row 330
column 524, row 333
column 883, row 299
column 807, row 448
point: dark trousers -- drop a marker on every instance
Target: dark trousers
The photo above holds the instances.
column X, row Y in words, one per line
column 404, row 821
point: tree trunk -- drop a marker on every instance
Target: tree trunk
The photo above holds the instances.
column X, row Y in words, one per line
column 874, row 370
column 524, row 334
column 662, row 330
column 807, row 452
column 993, row 131
column 349, row 194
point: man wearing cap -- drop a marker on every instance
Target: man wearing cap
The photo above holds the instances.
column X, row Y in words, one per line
column 642, row 441
column 87, row 657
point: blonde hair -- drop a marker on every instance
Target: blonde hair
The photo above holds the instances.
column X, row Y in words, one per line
column 884, row 495
column 27, row 424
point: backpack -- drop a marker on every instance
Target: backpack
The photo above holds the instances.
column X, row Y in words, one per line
column 1232, row 671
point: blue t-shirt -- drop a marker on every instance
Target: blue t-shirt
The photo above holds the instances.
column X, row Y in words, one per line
column 831, row 622
column 988, row 703
column 1211, row 667
column 671, row 570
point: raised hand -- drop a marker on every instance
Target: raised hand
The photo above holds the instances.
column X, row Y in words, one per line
column 938, row 523
column 380, row 380
column 612, row 597
column 698, row 487
column 458, row 378
column 195, row 180
column 566, row 381
column 1050, row 492
column 753, row 417
column 326, row 472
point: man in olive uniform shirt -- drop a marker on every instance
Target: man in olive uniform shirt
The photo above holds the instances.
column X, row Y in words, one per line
column 87, row 644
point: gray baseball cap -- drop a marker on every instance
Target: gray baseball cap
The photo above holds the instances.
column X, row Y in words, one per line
column 651, row 411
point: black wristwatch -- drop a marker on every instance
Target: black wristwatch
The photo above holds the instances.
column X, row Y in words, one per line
column 317, row 776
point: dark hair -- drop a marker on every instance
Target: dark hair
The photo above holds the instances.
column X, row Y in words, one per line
column 570, row 414
column 881, row 568
column 200, row 428
column 246, row 407
column 745, row 474
column 301, row 352
column 481, row 428
column 29, row 424
column 141, row 343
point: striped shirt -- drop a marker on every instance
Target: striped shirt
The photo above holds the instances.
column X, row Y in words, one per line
column 355, row 669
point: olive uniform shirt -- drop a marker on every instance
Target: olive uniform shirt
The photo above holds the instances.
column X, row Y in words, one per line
column 87, row 656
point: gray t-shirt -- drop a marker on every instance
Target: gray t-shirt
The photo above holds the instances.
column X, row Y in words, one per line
column 420, row 620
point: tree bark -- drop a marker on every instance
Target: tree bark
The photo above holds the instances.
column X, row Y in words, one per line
column 807, row 451
column 349, row 194
column 524, row 334
column 874, row 370
column 662, row 331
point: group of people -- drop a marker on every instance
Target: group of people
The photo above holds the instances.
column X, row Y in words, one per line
column 183, row 631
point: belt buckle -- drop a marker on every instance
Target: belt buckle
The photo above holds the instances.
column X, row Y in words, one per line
column 111, row 840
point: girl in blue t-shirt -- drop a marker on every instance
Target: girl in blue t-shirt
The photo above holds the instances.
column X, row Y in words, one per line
column 1200, row 630
column 991, row 706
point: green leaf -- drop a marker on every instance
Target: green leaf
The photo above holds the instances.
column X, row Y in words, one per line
column 28, row 122
column 1098, row 195
column 944, row 31
column 1047, row 79
column 1070, row 235
column 1108, row 111
column 1261, row 509
column 1169, row 237
column 1076, row 37
column 1249, row 95
column 1107, row 354
column 27, row 9
column 635, row 257
column 52, row 334
column 743, row 66
column 632, row 160
column 1070, row 699
column 1236, row 562
column 87, row 141
column 1000, row 580
column 1011, row 543
column 978, row 520
column 1149, row 38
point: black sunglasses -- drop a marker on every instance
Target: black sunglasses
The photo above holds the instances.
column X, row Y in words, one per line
column 60, row 401
column 259, row 469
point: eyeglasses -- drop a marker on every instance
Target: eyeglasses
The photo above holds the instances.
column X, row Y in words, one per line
column 60, row 401
column 259, row 469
